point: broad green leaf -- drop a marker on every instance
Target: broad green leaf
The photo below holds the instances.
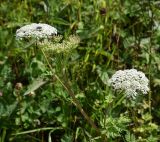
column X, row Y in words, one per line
column 37, row 83
column 103, row 75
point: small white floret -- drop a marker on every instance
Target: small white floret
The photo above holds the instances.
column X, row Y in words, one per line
column 132, row 82
column 37, row 31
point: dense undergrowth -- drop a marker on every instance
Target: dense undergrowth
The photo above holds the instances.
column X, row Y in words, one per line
column 114, row 34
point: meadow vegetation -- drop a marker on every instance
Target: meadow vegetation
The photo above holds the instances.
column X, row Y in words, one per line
column 53, row 95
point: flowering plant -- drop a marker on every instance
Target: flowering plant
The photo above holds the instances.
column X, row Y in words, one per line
column 130, row 81
column 38, row 31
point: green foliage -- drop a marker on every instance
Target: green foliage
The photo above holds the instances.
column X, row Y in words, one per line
column 130, row 137
column 114, row 127
column 36, row 83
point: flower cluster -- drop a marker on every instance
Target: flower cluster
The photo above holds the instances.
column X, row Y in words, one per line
column 38, row 31
column 57, row 47
column 130, row 81
column 45, row 32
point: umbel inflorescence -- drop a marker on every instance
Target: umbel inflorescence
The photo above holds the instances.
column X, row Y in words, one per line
column 58, row 47
column 38, row 31
column 51, row 41
column 130, row 81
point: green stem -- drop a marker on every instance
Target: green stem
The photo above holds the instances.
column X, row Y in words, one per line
column 2, row 139
column 71, row 93
column 20, row 105
column 119, row 101
column 150, row 58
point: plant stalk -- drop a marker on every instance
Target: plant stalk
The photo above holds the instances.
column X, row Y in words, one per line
column 71, row 93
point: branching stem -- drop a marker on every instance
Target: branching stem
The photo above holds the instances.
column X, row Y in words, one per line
column 75, row 101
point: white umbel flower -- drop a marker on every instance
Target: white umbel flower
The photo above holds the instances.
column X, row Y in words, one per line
column 130, row 81
column 35, row 30
column 58, row 47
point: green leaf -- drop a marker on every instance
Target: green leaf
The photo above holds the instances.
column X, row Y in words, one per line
column 37, row 83
column 60, row 21
column 130, row 137
column 103, row 75
column 10, row 108
column 67, row 138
